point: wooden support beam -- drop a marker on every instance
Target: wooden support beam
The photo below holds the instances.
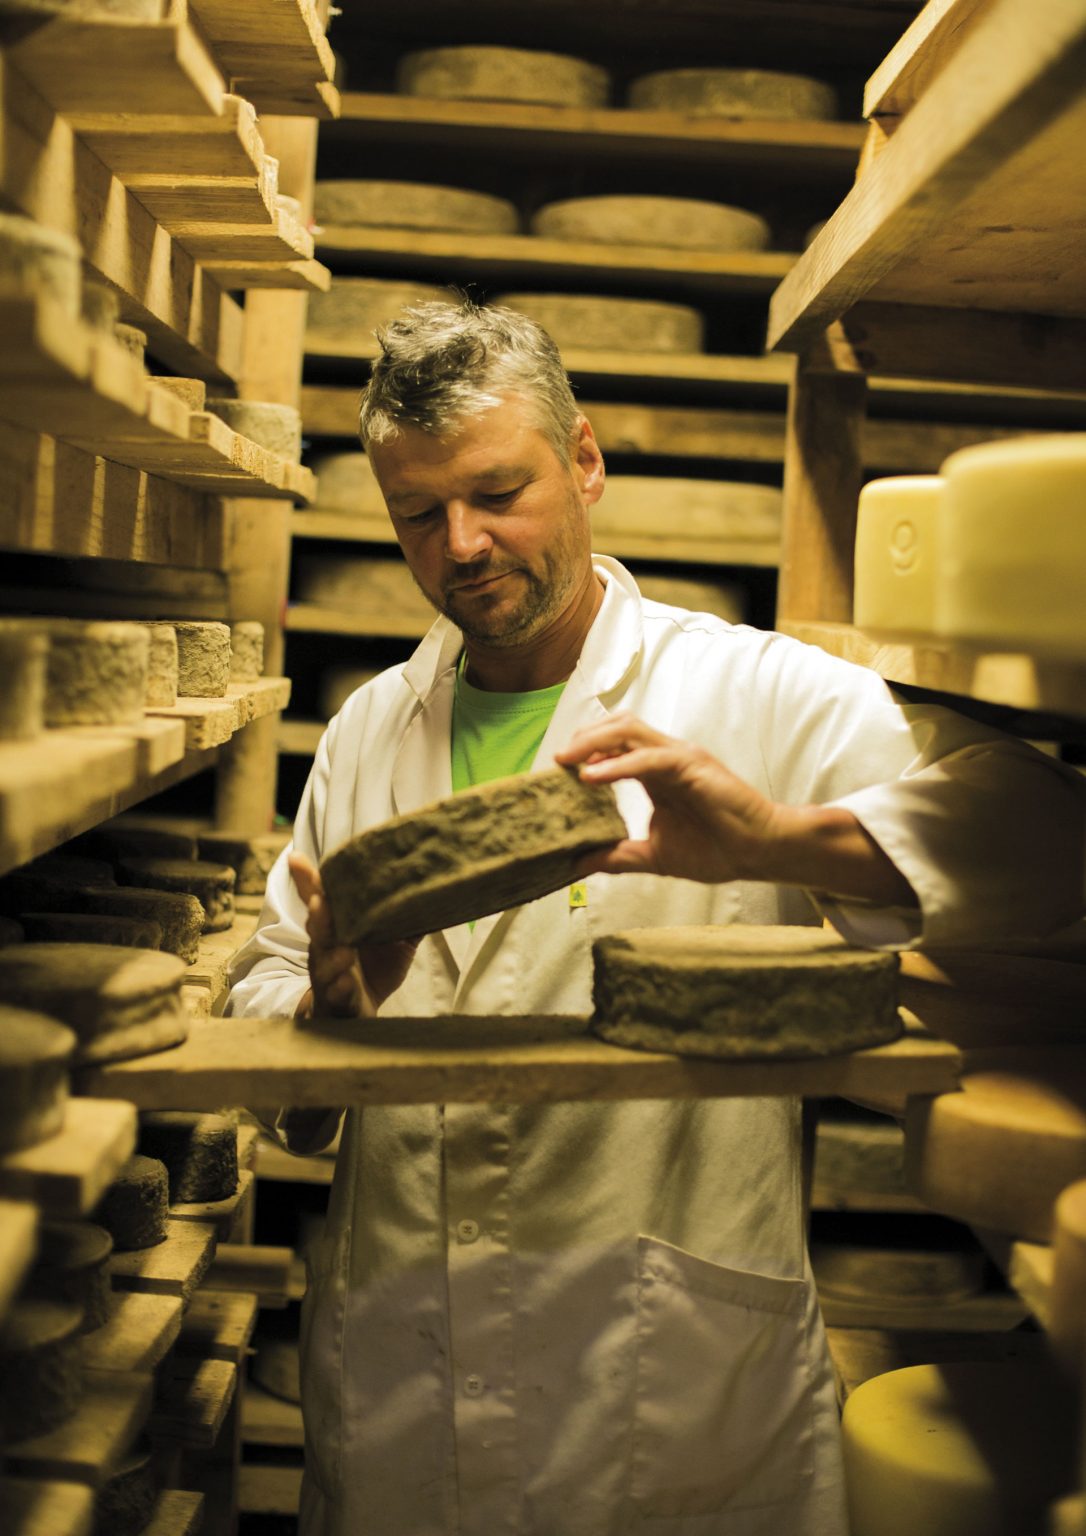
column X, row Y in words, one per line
column 67, row 1174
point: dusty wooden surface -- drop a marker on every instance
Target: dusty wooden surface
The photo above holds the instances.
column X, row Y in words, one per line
column 141, row 1330
column 174, row 1267
column 66, row 1174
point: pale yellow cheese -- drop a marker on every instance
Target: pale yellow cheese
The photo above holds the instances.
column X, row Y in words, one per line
column 897, row 554
column 657, row 506
column 681, row 223
column 346, row 483
column 356, row 306
column 413, row 205
column 1013, row 545
column 503, row 74
column 592, row 322
column 736, row 93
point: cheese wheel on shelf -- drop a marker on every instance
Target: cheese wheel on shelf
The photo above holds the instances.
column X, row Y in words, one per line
column 200, row 1152
column 897, row 554
column 246, row 651
column 73, row 1266
column 135, row 1208
column 96, row 673
column 346, row 483
column 658, row 506
column 161, row 667
column 36, row 1052
column 680, row 223
column 278, row 428
column 91, row 928
column 211, row 884
column 36, row 261
column 1013, row 545
column 596, row 323
column 737, row 93
column 203, row 659
column 41, row 1377
column 413, row 205
column 476, row 73
column 377, row 588
column 23, row 650
column 905, row 1276
column 724, row 600
column 354, row 307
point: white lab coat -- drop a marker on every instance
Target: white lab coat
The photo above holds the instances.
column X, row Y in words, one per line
column 593, row 1319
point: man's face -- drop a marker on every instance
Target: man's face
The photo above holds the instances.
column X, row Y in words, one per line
column 492, row 523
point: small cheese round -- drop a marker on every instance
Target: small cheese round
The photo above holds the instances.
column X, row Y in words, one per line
column 135, row 1207
column 96, row 673
column 73, row 1265
column 38, row 261
column 23, row 652
column 41, row 1379
column 211, row 884
column 413, row 205
column 278, row 428
column 476, row 73
column 126, row 1501
column 680, row 223
column 179, row 915
column 162, row 667
column 91, row 928
column 35, row 1054
column 738, row 93
column 246, row 651
column 356, row 306
column 200, row 1152
column 203, row 659
column 592, row 322
column 275, row 1367
column 897, row 554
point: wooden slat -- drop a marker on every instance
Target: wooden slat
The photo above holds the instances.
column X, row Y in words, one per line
column 223, row 1215
column 275, row 53
column 377, row 619
column 35, row 1507
column 269, row 1420
column 134, row 145
column 218, row 1325
column 311, row 276
column 141, row 1330
column 472, row 1060
column 177, row 1512
column 275, row 1162
column 18, row 1245
column 67, row 1174
column 174, row 1267
column 211, row 722
column 977, row 201
column 265, row 1489
column 924, row 49
column 206, row 976
column 255, row 1269
column 87, row 1446
column 192, row 1399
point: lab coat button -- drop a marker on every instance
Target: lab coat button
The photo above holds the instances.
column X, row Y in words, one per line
column 467, row 1231
column 473, row 1386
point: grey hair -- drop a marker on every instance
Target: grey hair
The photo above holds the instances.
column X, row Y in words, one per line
column 442, row 364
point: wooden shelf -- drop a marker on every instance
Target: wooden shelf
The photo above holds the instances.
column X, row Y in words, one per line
column 35, row 1507
column 192, row 1399
column 85, row 1447
column 177, row 1512
column 502, row 258
column 275, row 1162
column 69, row 780
column 275, row 55
column 18, row 1245
column 269, row 1420
column 504, row 1060
column 223, row 1215
column 67, row 1174
column 174, row 1267
column 976, row 199
column 139, row 1334
column 205, row 979
column 1028, row 1268
column 377, row 619
column 800, row 150
column 1015, row 681
column 218, row 1325
column 267, row 1489
column 262, row 1270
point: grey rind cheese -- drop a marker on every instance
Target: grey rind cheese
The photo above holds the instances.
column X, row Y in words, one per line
column 246, row 651
column 276, row 1368
column 23, row 656
column 37, row 261
column 135, row 1207
column 859, row 1156
column 119, row 1002
column 488, row 848
column 362, row 586
column 179, row 915
column 79, row 868
column 96, row 673
column 680, row 223
column 200, row 1153
column 115, row 840
column 203, row 659
column 655, row 506
column 355, row 306
column 72, row 1265
column 742, row 991
column 91, row 928
column 346, row 483
column 739, row 93
column 278, row 428
column 211, row 884
column 903, row 1274
column 41, row 1380
column 125, row 1503
column 413, row 205
column 246, row 856
column 503, row 74
column 162, row 667
column 595, row 323
column 35, row 1055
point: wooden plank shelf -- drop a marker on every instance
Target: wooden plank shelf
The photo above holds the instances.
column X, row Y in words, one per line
column 828, row 150
column 218, row 1325
column 976, row 200
column 215, row 144
column 275, row 54
column 68, row 780
column 1015, row 681
column 275, row 1162
column 205, row 979
column 139, row 1334
column 18, row 1245
column 67, row 1174
column 174, row 1267
column 986, row 1313
column 269, row 1420
column 263, row 1270
column 224, row 1215
column 482, row 1060
column 268, row 1489
column 36, row 1507
column 377, row 619
column 192, row 1399
column 177, row 1512
column 494, row 258
column 1028, row 1269
column 309, row 276
column 87, row 1446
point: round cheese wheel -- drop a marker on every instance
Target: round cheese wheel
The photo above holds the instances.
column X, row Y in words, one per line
column 595, row 323
column 117, row 839
column 246, row 651
column 278, row 428
column 1013, row 545
column 361, row 584
column 739, row 93
column 211, row 884
column 680, row 223
column 346, row 483
column 101, row 305
column 91, row 928
column 488, row 848
column 161, row 666
column 275, row 1368
column 650, row 505
column 503, row 74
column 859, row 1156
column 72, row 1265
column 41, row 1381
column 897, row 554
column 863, row 1272
column 413, row 205
column 203, row 659
column 96, row 673
column 35, row 1055
column 246, row 856
column 119, row 1002
column 200, row 1152
column 356, row 306
column 23, row 651
column 181, row 917
column 77, row 867
column 742, row 991
column 125, row 1503
column 721, row 598
column 35, row 260
column 135, row 1208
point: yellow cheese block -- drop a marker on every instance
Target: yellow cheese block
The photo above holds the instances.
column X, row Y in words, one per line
column 1013, row 545
column 592, row 322
column 897, row 555
column 976, row 1448
column 356, row 306
column 998, row 1153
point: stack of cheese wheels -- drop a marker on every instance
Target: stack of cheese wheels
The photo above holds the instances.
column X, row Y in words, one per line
column 722, row 599
column 211, row 884
column 679, row 223
column 1013, row 545
column 739, row 93
column 379, row 592
column 897, row 1271
column 39, row 262
column 742, row 991
column 41, row 1376
column 346, row 483
column 200, row 1152
column 488, row 848
column 859, row 1160
column 503, row 74
column 413, row 205
column 354, row 307
column 23, row 649
column 659, row 507
column 897, row 554
column 96, row 673
column 594, row 323
column 975, row 1448
column 73, row 1266
column 35, row 1054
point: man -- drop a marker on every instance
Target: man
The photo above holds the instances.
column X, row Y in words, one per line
column 597, row 1319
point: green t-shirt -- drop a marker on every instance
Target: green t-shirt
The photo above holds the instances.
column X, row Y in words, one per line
column 496, row 734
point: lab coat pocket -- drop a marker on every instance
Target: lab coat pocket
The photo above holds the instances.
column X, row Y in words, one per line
column 724, row 1410
column 321, row 1343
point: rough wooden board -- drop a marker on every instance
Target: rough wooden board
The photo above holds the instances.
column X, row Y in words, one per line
column 277, row 55
column 269, row 1420
column 218, row 1325
column 860, row 1353
column 66, row 1174
column 223, row 1215
column 976, row 1314
column 192, row 1398
column 172, row 1268
column 1017, row 681
column 256, row 1269
column 925, row 48
column 275, row 1162
column 114, row 1408
column 18, row 1245
column 140, row 1332
column 273, row 1061
column 159, row 144
column 177, row 1513
column 217, row 950
column 35, row 1507
column 267, row 1490
column 310, row 98
column 312, row 276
